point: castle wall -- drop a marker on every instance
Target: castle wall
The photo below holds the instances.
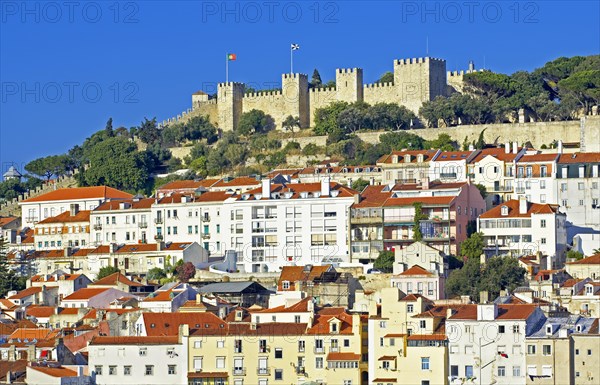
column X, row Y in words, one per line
column 208, row 108
column 380, row 93
column 270, row 102
column 419, row 80
column 319, row 98
column 229, row 96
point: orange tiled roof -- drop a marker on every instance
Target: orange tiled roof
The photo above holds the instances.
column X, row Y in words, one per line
column 55, row 372
column 298, row 273
column 40, row 311
column 33, row 333
column 417, row 270
column 86, row 293
column 208, row 375
column 427, row 337
column 498, row 153
column 26, row 293
column 115, row 278
column 239, row 181
column 321, row 324
column 343, row 357
column 427, row 156
column 505, row 312
column 297, row 188
column 300, row 306
column 6, row 220
column 66, row 217
column 592, row 260
column 188, row 184
column 145, row 203
column 142, row 248
column 165, row 324
column 513, row 210
column 387, row 358
column 263, row 329
column 80, row 193
column 580, row 157
column 538, row 158
column 52, row 277
column 135, row 340
column 453, row 156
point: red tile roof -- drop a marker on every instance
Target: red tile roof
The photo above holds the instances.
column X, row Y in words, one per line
column 33, row 333
column 498, row 153
column 187, row 184
column 592, row 260
column 165, row 324
column 208, row 375
column 65, row 217
column 418, row 271
column 80, row 193
column 26, row 293
column 6, row 220
column 513, row 210
column 427, row 156
column 298, row 307
column 85, row 294
column 27, row 237
column 297, row 188
column 374, row 196
column 453, row 156
column 55, row 372
column 39, row 311
column 427, row 337
column 538, row 158
column 235, row 182
column 292, row 274
column 52, row 277
column 505, row 312
column 343, row 357
column 114, row 279
column 135, row 340
column 580, row 157
column 145, row 203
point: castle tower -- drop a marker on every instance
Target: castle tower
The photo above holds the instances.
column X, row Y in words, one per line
column 419, row 80
column 294, row 89
column 349, row 84
column 229, row 96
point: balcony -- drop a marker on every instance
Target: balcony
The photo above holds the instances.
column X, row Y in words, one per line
column 263, row 371
column 520, row 190
column 320, row 350
column 97, row 226
column 263, row 349
column 300, row 370
column 31, row 219
column 334, row 349
column 143, row 225
column 399, row 218
column 158, row 221
column 205, row 235
column 360, row 220
column 206, row 218
column 158, row 237
column 239, row 371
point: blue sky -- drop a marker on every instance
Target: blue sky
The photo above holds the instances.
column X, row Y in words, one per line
column 66, row 67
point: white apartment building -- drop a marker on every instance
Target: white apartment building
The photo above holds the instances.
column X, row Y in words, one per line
column 535, row 174
column 68, row 229
column 451, row 166
column 139, row 360
column 124, row 221
column 524, row 228
column 58, row 201
column 289, row 224
column 486, row 342
column 578, row 185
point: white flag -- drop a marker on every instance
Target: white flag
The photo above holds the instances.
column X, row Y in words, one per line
column 295, row 47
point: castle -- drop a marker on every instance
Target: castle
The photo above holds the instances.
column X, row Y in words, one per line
column 416, row 80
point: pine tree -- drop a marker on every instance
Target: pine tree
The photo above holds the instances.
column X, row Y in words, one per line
column 315, row 81
column 8, row 279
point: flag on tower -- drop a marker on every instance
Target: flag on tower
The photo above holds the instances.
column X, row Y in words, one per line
column 231, row 56
column 295, row 46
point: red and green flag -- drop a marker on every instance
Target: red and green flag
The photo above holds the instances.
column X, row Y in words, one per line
column 231, row 56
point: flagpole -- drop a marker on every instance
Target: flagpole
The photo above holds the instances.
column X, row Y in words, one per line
column 226, row 68
column 291, row 59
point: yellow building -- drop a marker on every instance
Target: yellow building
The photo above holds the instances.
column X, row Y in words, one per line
column 327, row 349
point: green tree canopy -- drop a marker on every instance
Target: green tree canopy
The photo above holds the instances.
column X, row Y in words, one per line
column 387, row 77
column 385, row 261
column 106, row 271
column 254, row 121
column 315, row 81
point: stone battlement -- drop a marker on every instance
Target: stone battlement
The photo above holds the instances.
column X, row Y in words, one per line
column 263, row 93
column 230, row 84
column 348, row 70
column 294, row 76
column 455, row 73
column 418, row 60
column 323, row 89
column 379, row 85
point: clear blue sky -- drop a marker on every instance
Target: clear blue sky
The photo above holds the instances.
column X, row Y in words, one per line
column 65, row 69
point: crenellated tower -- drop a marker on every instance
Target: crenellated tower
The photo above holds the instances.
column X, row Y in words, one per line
column 295, row 97
column 419, row 80
column 349, row 84
column 230, row 100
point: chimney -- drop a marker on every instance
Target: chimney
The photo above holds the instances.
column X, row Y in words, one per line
column 325, row 187
column 198, row 298
column 559, row 147
column 487, row 312
column 515, row 147
column 113, row 247
column 68, row 251
column 484, row 297
column 160, row 246
column 507, row 148
column 471, row 147
column 266, row 188
column 425, row 183
column 80, row 371
column 449, row 312
column 74, row 209
column 523, row 206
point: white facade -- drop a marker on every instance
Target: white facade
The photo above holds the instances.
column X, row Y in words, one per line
column 126, row 222
column 139, row 360
column 489, row 348
column 298, row 224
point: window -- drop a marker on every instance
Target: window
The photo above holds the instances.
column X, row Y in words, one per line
column 454, row 370
column 220, row 362
column 197, row 363
column 172, row 369
column 381, row 341
column 386, row 365
column 197, row 344
column 285, row 285
column 501, row 371
column 580, row 186
column 469, row 371
column 409, row 308
column 220, row 343
column 501, row 329
column 278, row 353
column 143, row 352
column 530, row 349
column 297, row 319
column 319, row 362
column 149, row 370
column 392, row 342
column 576, row 352
column 516, row 371
column 347, row 382
column 581, row 202
column 301, row 345
column 531, row 370
column 424, row 363
column 543, row 241
column 98, row 370
column 279, row 374
column 547, row 370
column 422, row 324
column 237, row 346
column 516, row 329
column 127, row 370
column 589, row 352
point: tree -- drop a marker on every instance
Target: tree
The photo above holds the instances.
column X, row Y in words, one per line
column 419, row 216
column 254, row 121
column 8, row 279
column 290, row 123
column 106, row 271
column 472, row 247
column 109, row 128
column 310, row 149
column 185, row 271
column 387, row 77
column 326, row 118
column 584, row 86
column 315, row 81
column 156, row 274
column 575, row 254
column 480, row 144
column 46, row 167
column 360, row 184
column 443, row 142
column 482, row 190
column 148, row 131
column 385, row 261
